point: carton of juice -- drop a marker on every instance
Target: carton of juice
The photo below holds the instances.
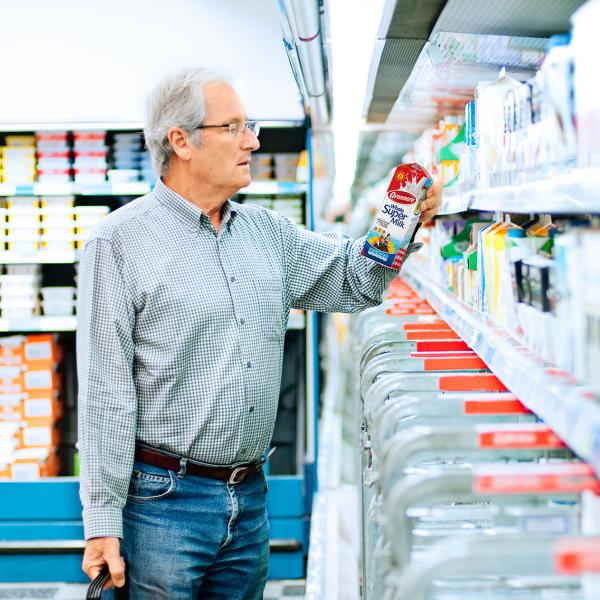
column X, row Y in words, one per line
column 395, row 223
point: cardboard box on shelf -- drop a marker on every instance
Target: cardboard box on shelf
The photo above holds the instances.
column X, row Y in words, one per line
column 38, row 410
column 45, row 432
column 41, row 350
column 38, row 381
column 33, row 463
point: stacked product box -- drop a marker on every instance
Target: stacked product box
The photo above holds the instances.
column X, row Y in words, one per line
column 286, row 165
column 54, row 157
column 58, row 300
column 30, row 406
column 57, row 226
column 22, row 225
column 86, row 220
column 261, row 166
column 17, row 159
column 126, row 157
column 531, row 279
column 90, row 153
column 19, row 291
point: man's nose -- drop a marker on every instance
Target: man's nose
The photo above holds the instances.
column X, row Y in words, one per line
column 250, row 141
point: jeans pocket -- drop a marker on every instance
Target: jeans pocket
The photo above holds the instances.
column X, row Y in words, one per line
column 146, row 487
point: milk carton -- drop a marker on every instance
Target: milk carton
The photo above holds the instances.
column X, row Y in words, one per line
column 395, row 223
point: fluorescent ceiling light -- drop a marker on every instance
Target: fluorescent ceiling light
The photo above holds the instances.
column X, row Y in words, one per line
column 353, row 26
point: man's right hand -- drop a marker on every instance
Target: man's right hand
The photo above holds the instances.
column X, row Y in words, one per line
column 104, row 551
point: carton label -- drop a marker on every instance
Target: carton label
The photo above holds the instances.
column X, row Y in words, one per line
column 38, row 379
column 38, row 351
column 25, row 471
column 37, row 436
column 395, row 223
column 38, row 408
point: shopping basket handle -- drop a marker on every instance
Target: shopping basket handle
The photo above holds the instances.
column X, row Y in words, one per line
column 95, row 590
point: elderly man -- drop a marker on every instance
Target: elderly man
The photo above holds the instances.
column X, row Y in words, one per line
column 184, row 297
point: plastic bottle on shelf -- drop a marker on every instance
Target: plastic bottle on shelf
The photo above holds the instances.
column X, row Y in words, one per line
column 586, row 82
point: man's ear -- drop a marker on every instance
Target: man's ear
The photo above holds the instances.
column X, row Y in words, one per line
column 180, row 142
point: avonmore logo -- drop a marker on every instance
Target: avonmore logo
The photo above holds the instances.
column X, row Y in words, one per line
column 401, row 197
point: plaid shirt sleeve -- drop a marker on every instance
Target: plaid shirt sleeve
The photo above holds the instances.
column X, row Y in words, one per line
column 105, row 352
column 326, row 272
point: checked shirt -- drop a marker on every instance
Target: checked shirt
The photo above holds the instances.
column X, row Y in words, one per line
column 181, row 330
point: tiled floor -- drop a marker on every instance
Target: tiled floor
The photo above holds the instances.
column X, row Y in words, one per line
column 276, row 590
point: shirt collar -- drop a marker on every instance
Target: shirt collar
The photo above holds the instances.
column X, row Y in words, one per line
column 187, row 211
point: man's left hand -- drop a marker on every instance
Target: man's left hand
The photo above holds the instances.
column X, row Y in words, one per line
column 433, row 201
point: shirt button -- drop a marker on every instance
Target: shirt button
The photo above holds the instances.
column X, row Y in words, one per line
column 232, row 279
column 251, row 409
column 249, row 364
column 242, row 321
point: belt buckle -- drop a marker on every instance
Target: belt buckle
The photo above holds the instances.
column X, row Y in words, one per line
column 233, row 478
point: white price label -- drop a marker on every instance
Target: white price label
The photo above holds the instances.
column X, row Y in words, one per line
column 38, row 350
column 35, row 380
column 37, row 436
column 38, row 408
column 25, row 471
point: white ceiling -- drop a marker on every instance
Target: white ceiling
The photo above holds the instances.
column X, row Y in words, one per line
column 69, row 61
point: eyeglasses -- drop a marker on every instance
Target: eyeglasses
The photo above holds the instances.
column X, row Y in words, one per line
column 237, row 128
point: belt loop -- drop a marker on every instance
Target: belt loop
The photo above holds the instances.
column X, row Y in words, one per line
column 182, row 467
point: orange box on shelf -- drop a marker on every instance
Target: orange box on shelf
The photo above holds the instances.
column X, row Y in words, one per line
column 39, row 434
column 41, row 350
column 44, row 380
column 47, row 406
column 33, row 463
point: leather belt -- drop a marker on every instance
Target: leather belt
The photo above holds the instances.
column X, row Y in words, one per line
column 183, row 465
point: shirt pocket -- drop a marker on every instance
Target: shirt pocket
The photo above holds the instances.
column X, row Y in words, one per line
column 269, row 292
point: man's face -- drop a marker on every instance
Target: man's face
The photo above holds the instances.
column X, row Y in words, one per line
column 223, row 158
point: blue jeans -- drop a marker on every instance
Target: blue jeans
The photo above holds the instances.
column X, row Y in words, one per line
column 194, row 538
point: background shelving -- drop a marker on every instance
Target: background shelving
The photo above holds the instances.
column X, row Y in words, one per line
column 574, row 191
column 570, row 409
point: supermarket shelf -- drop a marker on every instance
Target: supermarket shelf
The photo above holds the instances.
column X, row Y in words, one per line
column 571, row 410
column 39, row 258
column 38, row 324
column 70, row 324
column 132, row 188
column 258, row 188
column 573, row 192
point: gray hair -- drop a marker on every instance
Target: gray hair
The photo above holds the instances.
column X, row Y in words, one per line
column 177, row 101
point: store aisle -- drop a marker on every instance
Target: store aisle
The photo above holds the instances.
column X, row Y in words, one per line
column 276, row 590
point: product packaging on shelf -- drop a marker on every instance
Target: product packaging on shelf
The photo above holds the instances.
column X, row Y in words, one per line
column 395, row 223
column 30, row 406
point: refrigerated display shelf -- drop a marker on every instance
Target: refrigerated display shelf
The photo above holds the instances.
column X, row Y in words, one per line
column 270, row 188
column 69, row 323
column 573, row 192
column 134, row 188
column 39, row 258
column 570, row 409
column 47, row 324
